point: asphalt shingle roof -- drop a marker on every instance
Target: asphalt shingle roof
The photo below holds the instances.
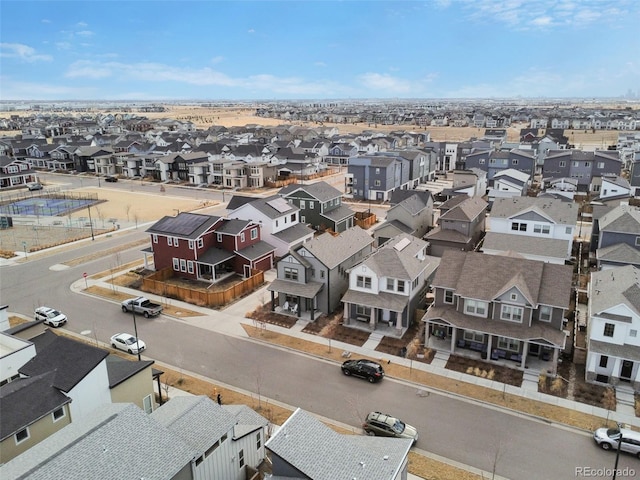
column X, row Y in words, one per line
column 333, row 250
column 564, row 213
column 615, row 286
column 621, row 219
column 619, row 253
column 543, row 247
column 322, row 191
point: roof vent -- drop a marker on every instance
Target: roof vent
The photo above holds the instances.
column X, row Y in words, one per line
column 386, row 457
column 362, row 464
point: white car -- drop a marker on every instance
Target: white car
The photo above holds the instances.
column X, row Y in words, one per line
column 128, row 343
column 50, row 316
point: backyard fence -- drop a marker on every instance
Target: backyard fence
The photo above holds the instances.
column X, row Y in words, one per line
column 157, row 283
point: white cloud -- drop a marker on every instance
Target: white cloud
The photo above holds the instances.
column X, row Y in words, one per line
column 217, row 59
column 82, row 24
column 20, row 90
column 85, row 33
column 89, row 69
column 386, row 83
column 63, row 45
column 251, row 30
column 23, row 52
column 45, row 20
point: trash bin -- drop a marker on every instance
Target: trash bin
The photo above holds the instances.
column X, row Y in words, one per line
column 403, row 352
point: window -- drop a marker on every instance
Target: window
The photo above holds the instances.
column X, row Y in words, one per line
column 302, row 205
column 481, row 161
column 400, row 285
column 377, row 171
column 637, row 241
column 363, row 311
column 176, row 264
column 544, row 313
column 254, row 233
column 475, row 307
column 183, row 265
column 154, row 238
column 219, row 238
column 544, row 229
column 58, row 414
column 200, row 243
column 511, row 313
column 473, row 336
column 508, row 344
column 608, row 329
column 190, row 266
column 575, row 164
column 290, row 273
column 514, row 297
column 311, row 205
column 563, row 163
column 242, row 237
column 603, row 361
column 522, row 227
column 293, row 217
column 633, row 333
column 241, row 458
column 376, row 183
column 22, row 435
column 175, row 242
column 170, row 241
column 147, row 404
column 258, row 441
column 212, row 449
column 514, row 161
column 567, row 231
column 448, row 296
column 223, row 438
column 321, row 273
column 391, row 284
column 191, row 244
column 363, row 282
column 600, row 165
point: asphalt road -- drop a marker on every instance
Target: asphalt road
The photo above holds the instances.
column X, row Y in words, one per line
column 468, row 432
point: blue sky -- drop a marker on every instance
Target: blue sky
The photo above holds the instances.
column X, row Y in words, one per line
column 272, row 50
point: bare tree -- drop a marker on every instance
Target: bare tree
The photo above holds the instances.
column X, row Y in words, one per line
column 136, row 217
column 127, row 210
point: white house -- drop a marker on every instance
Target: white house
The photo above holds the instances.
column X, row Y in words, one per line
column 537, row 228
column 613, row 349
column 509, row 183
column 611, row 188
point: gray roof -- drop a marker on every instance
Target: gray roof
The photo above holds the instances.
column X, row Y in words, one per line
column 293, row 234
column 564, row 213
column 304, row 290
column 526, row 245
column 386, row 300
column 261, row 204
column 621, row 219
column 485, row 277
column 468, row 209
column 332, row 250
column 619, row 253
column 613, row 287
column 438, row 234
column 99, row 444
column 256, row 251
column 320, row 453
column 197, row 420
column 413, row 204
column 339, row 213
column 214, row 256
column 626, row 351
column 120, row 369
column 321, row 191
column 233, row 226
column 387, row 261
column 395, row 227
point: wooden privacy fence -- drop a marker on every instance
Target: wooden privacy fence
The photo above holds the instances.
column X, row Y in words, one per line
column 156, row 283
column 365, row 219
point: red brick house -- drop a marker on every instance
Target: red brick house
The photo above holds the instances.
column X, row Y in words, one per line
column 208, row 247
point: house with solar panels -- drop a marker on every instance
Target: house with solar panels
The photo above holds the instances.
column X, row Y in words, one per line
column 279, row 222
column 208, row 247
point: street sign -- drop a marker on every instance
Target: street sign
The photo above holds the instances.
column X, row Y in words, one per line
column 84, row 274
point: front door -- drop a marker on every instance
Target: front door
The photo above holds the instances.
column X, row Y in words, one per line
column 625, row 370
column 247, row 271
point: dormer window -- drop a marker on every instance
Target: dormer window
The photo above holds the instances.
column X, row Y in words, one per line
column 514, row 297
column 511, row 313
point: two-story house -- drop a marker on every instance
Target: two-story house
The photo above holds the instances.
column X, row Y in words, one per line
column 461, row 225
column 320, row 206
column 208, row 247
column 279, row 221
column 492, row 162
column 613, row 348
column 615, row 236
column 411, row 212
column 339, row 153
column 313, row 276
column 581, row 165
column 471, row 182
column 611, row 189
column 501, row 306
column 374, row 177
column 536, row 228
column 14, row 173
column 387, row 287
column 509, row 183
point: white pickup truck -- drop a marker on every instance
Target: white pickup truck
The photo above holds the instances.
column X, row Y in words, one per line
column 142, row 306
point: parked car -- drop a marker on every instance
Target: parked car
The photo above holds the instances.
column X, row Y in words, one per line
column 384, row 425
column 111, row 179
column 34, row 186
column 368, row 369
column 607, row 439
column 50, row 316
column 128, row 343
column 142, row 305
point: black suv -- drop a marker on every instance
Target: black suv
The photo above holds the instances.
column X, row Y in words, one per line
column 111, row 178
column 368, row 369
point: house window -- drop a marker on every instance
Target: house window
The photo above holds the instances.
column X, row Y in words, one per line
column 190, row 266
column 511, row 313
column 363, row 282
column 175, row 242
column 147, row 404
column 377, row 171
column 637, row 241
column 219, row 235
column 321, row 273
column 608, row 329
column 183, row 265
column 601, row 165
column 200, row 243
column 603, row 361
column 191, row 244
column 522, row 227
column 212, row 449
column 544, row 313
column 58, row 414
column 363, row 311
column 508, row 344
column 22, row 435
column 575, row 164
column 303, row 219
column 302, row 205
column 400, row 285
column 254, row 233
column 311, row 204
column 241, row 458
column 475, row 307
column 170, row 241
column 258, row 441
column 376, row 183
column 448, row 296
column 481, row 161
column 563, row 163
column 470, row 336
column 223, row 438
column 176, row 264
column 567, row 231
column 154, row 238
column 293, row 217
column 514, row 161
column 514, row 297
column 242, row 237
column 544, row 229
column 290, row 273
column 391, row 284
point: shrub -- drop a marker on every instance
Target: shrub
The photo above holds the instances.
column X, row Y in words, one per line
column 469, row 370
column 542, row 382
column 557, row 385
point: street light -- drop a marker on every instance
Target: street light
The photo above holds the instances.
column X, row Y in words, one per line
column 615, row 467
column 90, row 222
column 135, row 332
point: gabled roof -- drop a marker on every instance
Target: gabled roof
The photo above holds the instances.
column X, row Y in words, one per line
column 467, row 209
column 320, row 453
column 26, row 400
column 266, row 206
column 413, row 204
column 321, row 191
column 401, row 262
column 613, row 287
column 621, row 219
column 70, row 360
column 101, row 445
column 331, row 251
column 119, row 369
column 482, row 277
column 401, row 194
column 183, row 225
column 563, row 213
column 233, row 226
column 622, row 253
column 239, row 200
column 526, row 245
column 512, row 173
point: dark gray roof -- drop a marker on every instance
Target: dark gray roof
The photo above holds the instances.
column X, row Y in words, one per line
column 119, row 369
column 69, row 359
column 320, row 453
column 184, row 225
column 101, row 445
column 305, row 290
column 256, row 251
column 214, row 256
column 232, row 226
column 339, row 213
column 321, row 191
column 239, row 200
column 400, row 194
column 332, row 250
column 294, row 233
column 25, row 400
column 394, row 226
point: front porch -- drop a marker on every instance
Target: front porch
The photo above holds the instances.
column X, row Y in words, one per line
column 215, row 265
column 295, row 299
column 383, row 312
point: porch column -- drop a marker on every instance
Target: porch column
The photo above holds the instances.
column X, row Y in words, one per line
column 313, row 309
column 372, row 318
column 345, row 314
column 273, row 301
column 299, row 306
column 454, row 335
column 525, row 351
column 489, row 346
column 556, row 352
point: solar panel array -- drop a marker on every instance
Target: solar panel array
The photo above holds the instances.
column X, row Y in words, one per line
column 402, row 244
column 280, row 204
column 183, row 224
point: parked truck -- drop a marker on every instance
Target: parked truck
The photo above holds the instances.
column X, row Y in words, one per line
column 142, row 306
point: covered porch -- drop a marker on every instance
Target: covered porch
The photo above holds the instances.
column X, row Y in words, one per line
column 383, row 312
column 296, row 299
column 215, row 265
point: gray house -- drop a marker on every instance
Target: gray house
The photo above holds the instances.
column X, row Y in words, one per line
column 320, row 206
column 374, row 177
column 580, row 165
column 413, row 215
column 616, row 226
column 313, row 277
column 493, row 162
